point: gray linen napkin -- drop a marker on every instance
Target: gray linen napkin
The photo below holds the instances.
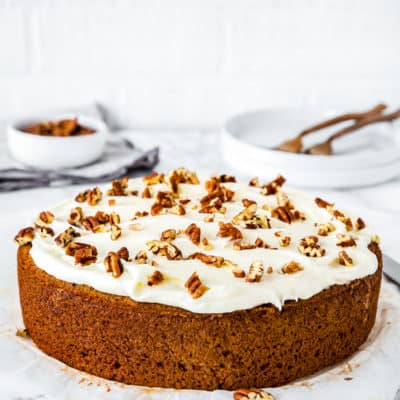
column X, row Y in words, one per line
column 120, row 158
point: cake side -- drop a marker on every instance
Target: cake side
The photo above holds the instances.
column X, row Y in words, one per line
column 151, row 344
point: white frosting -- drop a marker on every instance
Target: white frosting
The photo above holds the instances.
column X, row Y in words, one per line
column 226, row 293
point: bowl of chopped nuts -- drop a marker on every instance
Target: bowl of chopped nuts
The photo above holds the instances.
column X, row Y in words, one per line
column 66, row 141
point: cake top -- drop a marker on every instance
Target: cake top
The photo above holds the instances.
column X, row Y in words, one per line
column 206, row 245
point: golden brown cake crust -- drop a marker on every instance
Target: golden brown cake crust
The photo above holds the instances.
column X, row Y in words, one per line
column 157, row 345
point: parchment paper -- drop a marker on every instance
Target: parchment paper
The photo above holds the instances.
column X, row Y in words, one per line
column 26, row 373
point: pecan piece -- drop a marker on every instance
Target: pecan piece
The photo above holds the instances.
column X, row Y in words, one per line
column 195, row 286
column 76, row 216
column 90, row 223
column 47, row 217
column 238, row 272
column 118, row 187
column 25, row 235
column 141, row 257
column 66, row 237
column 285, row 241
column 83, row 253
column 140, row 214
column 154, row 179
column 360, row 224
column 44, row 231
column 102, row 217
column 309, row 247
column 292, row 267
column 168, row 235
column 273, row 186
column 123, row 253
column 345, row 240
column 254, row 182
column 164, row 249
column 94, row 196
column 215, row 261
column 247, row 202
column 116, row 232
column 146, row 194
column 194, row 233
column 323, row 203
column 252, row 394
column 282, row 213
column 229, row 231
column 256, row 272
column 82, row 197
column 345, row 259
column 325, row 229
column 113, row 264
column 114, row 218
column 156, row 278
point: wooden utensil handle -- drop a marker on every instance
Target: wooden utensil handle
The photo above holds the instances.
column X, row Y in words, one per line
column 344, row 117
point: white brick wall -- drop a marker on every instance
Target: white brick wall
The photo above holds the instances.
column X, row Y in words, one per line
column 192, row 62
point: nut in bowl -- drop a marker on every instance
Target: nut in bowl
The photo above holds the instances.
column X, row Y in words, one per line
column 62, row 142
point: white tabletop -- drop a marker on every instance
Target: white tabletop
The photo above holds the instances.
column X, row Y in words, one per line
column 198, row 150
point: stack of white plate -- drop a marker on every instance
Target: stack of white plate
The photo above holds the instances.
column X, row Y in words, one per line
column 365, row 157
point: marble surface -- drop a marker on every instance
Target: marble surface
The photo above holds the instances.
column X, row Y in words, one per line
column 379, row 206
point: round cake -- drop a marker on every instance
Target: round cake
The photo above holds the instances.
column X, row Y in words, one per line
column 198, row 282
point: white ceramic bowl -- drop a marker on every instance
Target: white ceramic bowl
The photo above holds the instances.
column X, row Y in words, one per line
column 366, row 157
column 56, row 152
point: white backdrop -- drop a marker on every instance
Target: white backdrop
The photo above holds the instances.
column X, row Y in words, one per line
column 190, row 63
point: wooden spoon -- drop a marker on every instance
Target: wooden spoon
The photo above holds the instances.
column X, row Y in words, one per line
column 325, row 148
column 295, row 145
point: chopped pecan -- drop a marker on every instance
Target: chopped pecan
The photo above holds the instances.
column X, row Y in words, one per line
column 112, row 202
column 141, row 257
column 75, row 216
column 82, row 197
column 83, row 253
column 46, row 217
column 282, row 200
column 168, row 235
column 195, row 286
column 25, row 235
column 154, row 179
column 323, row 203
column 194, row 233
column 164, row 249
column 118, row 187
column 238, row 272
column 184, row 201
column 229, row 231
column 247, row 202
column 345, row 259
column 206, row 244
column 282, row 214
column 102, row 217
column 256, row 272
column 273, row 186
column 116, row 232
column 344, row 219
column 252, row 394
column 285, row 241
column 123, row 253
column 254, row 182
column 140, row 214
column 94, row 196
column 292, row 267
column 270, row 270
column 360, row 224
column 155, row 278
column 215, row 261
column 90, row 223
column 178, row 209
column 146, row 194
column 325, row 229
column 249, row 219
column 44, row 231
column 310, row 247
column 163, row 201
column 375, row 239
column 66, row 237
column 113, row 264
column 345, row 240
column 209, row 218
column 114, row 218
column 181, row 175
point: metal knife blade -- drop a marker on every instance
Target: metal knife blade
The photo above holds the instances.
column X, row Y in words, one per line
column 391, row 268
